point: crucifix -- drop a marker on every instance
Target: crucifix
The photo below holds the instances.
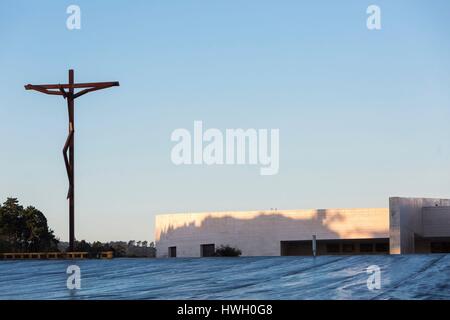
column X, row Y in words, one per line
column 67, row 91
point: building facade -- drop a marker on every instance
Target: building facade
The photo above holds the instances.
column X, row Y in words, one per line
column 409, row 225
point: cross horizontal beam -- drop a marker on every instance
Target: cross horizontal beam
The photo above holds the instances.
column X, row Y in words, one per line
column 58, row 89
column 73, row 86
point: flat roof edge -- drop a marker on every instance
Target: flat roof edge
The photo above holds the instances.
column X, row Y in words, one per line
column 269, row 211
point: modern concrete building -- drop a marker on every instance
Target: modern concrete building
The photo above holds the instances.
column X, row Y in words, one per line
column 409, row 225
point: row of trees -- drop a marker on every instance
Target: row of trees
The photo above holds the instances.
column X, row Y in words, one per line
column 120, row 249
column 94, row 248
column 134, row 243
column 24, row 229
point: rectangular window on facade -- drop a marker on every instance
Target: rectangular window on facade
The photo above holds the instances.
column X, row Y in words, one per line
column 172, row 252
column 382, row 247
column 333, row 248
column 207, row 250
column 366, row 247
column 440, row 247
column 348, row 247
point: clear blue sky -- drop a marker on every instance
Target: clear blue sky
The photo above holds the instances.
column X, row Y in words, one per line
column 363, row 115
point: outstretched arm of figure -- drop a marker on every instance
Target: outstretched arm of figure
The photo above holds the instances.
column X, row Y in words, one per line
column 43, row 90
column 99, row 87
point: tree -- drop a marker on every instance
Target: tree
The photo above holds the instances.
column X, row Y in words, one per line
column 96, row 248
column 82, row 246
column 36, row 233
column 24, row 230
column 10, row 220
column 119, row 248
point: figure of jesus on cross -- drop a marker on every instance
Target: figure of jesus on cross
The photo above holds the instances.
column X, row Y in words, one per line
column 67, row 91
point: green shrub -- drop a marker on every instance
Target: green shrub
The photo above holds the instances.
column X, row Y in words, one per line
column 227, row 251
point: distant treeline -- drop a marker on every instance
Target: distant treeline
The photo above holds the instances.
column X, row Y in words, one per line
column 26, row 230
column 120, row 249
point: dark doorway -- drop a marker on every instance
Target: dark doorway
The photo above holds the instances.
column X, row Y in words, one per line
column 172, row 252
column 207, row 250
column 296, row 248
column 440, row 247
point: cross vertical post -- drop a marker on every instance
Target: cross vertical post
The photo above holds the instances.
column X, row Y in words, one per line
column 71, row 195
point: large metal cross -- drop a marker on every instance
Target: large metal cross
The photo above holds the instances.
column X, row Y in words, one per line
column 67, row 91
